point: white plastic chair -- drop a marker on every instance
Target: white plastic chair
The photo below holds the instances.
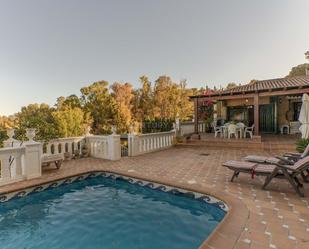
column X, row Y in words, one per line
column 217, row 130
column 241, row 129
column 232, row 130
column 249, row 130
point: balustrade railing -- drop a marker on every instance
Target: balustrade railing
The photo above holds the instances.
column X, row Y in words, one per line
column 69, row 145
column 145, row 143
column 98, row 146
column 187, row 128
column 12, row 164
column 23, row 160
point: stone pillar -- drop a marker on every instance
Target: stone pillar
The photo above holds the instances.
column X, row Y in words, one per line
column 215, row 115
column 33, row 154
column 114, row 147
column 132, row 142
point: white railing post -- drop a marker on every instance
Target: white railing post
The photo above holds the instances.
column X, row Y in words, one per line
column 18, row 166
column 33, row 166
column 33, row 156
column 5, row 167
column 114, row 147
column 131, row 144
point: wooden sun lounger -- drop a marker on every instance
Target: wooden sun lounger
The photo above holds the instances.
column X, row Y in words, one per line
column 289, row 172
column 57, row 159
column 287, row 158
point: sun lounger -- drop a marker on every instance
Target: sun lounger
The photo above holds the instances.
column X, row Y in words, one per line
column 275, row 170
column 287, row 158
column 248, row 167
column 57, row 159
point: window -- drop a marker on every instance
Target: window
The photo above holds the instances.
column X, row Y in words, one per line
column 296, row 109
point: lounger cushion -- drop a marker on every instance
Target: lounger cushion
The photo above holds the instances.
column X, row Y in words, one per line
column 239, row 164
column 262, row 159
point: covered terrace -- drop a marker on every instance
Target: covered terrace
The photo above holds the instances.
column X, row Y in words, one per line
column 271, row 105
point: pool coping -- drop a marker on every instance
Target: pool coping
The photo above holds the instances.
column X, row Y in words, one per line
column 226, row 233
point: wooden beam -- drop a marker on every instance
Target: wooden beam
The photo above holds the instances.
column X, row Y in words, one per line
column 227, row 97
column 256, row 115
column 285, row 92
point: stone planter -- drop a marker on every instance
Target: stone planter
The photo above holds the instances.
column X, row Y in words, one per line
column 30, row 134
column 10, row 132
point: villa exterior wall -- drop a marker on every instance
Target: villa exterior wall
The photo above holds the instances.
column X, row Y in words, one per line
column 283, row 108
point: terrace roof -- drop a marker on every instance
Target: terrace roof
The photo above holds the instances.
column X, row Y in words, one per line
column 271, row 85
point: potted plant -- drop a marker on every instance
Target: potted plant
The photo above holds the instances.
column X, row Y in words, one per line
column 301, row 144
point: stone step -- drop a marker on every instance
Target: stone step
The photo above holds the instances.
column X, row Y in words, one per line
column 242, row 143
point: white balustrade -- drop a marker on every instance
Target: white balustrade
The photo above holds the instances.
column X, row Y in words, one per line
column 12, row 165
column 98, row 146
column 63, row 145
column 187, row 128
column 105, row 147
column 145, row 143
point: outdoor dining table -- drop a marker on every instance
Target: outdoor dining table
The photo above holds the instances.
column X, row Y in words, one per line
column 240, row 130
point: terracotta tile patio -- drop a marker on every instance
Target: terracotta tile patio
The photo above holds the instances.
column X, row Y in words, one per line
column 277, row 218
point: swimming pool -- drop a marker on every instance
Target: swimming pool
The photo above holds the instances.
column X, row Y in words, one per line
column 107, row 212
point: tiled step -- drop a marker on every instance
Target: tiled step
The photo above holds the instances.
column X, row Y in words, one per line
column 242, row 143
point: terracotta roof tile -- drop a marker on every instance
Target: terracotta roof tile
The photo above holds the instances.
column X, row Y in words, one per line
column 266, row 85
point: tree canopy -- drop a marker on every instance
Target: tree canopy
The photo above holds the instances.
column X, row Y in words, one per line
column 299, row 70
column 101, row 105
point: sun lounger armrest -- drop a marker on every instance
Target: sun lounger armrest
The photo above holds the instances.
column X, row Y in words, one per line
column 286, row 167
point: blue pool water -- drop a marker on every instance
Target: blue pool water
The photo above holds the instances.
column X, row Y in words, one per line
column 103, row 213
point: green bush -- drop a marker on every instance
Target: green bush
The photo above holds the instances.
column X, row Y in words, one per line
column 301, row 144
column 157, row 125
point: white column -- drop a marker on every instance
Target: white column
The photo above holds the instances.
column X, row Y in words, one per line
column 18, row 166
column 215, row 116
column 5, row 167
column 33, row 167
column 132, row 145
column 114, row 147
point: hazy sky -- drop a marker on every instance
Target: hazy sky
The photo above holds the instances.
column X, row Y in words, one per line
column 53, row 48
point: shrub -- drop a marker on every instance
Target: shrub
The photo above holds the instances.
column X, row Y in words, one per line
column 301, row 144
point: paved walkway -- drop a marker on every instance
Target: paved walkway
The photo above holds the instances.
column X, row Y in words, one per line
column 276, row 218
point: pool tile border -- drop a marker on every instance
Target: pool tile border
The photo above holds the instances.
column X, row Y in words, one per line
column 211, row 200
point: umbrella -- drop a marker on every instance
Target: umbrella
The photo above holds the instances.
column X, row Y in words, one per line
column 304, row 117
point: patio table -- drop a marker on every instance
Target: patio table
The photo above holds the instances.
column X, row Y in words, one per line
column 240, row 130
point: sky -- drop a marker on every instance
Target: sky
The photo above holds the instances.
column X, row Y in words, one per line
column 52, row 48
